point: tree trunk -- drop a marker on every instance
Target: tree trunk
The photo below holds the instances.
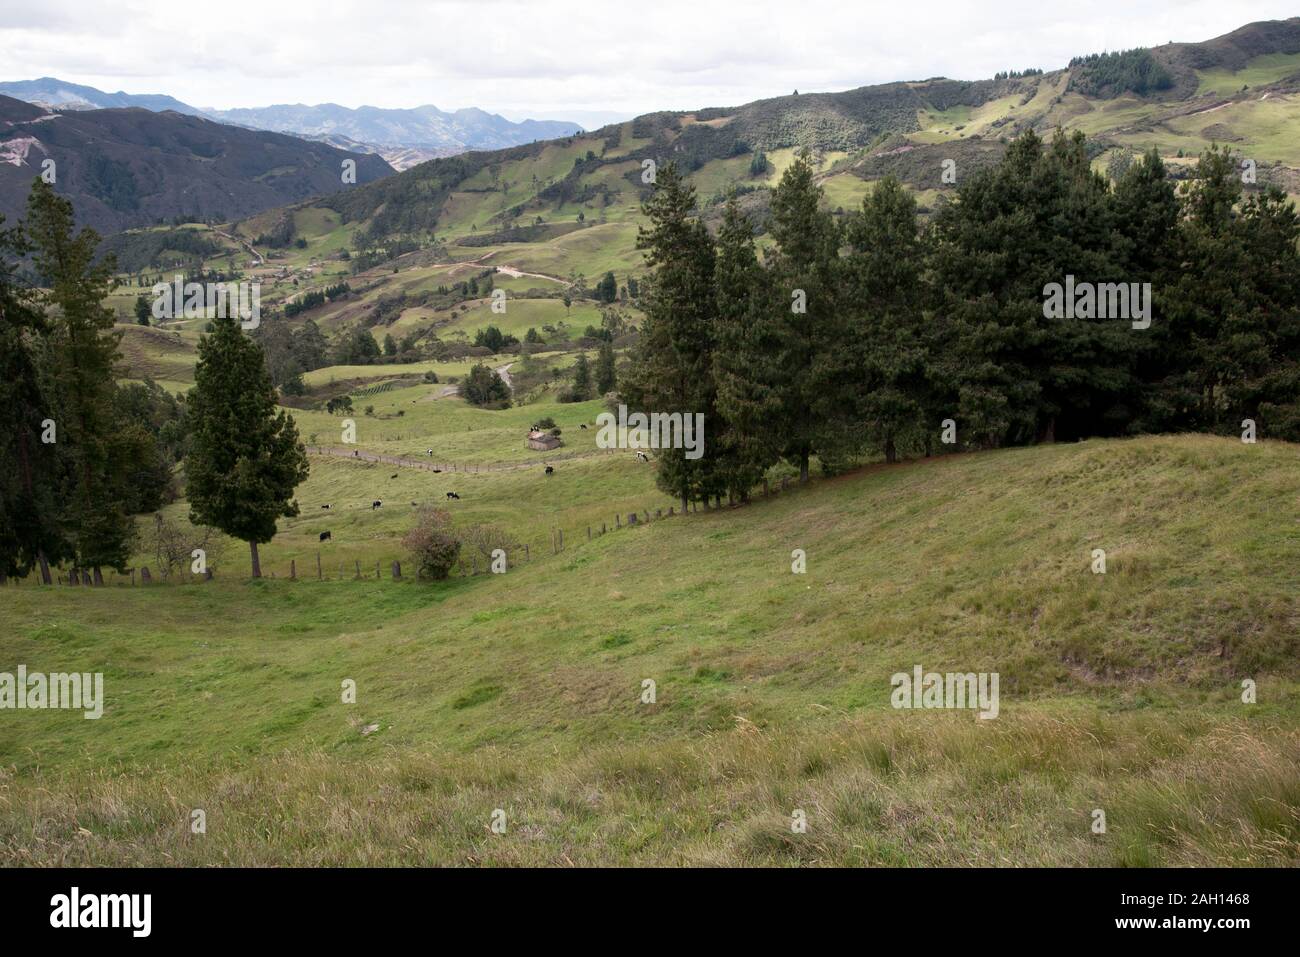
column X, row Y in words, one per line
column 803, row 466
column 891, row 451
column 45, row 567
column 257, row 565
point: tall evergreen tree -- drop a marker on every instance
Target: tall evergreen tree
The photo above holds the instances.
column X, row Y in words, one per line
column 817, row 373
column 1019, row 375
column 31, row 471
column 606, row 374
column 672, row 371
column 884, row 291
column 83, row 351
column 746, row 361
column 245, row 460
column 581, row 378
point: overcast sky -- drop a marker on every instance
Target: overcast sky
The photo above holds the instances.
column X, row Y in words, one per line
column 588, row 60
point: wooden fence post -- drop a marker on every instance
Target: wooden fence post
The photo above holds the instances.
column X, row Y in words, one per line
column 293, row 570
column 357, row 562
column 319, row 575
column 526, row 553
column 397, row 571
column 588, row 533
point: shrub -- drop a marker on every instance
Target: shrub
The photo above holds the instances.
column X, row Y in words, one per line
column 433, row 543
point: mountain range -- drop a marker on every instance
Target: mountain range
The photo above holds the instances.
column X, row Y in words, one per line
column 133, row 167
column 425, row 129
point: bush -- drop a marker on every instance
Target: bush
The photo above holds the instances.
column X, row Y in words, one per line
column 433, row 543
column 485, row 539
column 484, row 387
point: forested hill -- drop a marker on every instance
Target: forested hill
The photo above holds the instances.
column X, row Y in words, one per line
column 133, row 167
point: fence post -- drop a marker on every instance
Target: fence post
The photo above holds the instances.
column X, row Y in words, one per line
column 357, row 562
column 526, row 553
column 602, row 528
column 618, row 522
column 145, row 577
column 293, row 570
column 376, row 569
column 319, row 576
column 133, row 578
column 631, row 519
column 588, row 533
column 561, row 531
column 397, row 571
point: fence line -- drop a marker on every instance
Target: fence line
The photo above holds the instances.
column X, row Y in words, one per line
column 557, row 544
column 458, row 468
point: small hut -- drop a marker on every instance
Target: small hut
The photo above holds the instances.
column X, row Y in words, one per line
column 540, row 441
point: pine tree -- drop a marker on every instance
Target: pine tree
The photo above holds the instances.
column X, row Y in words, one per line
column 884, row 291
column 1017, row 374
column 83, row 351
column 606, row 374
column 581, row 378
column 30, row 470
column 672, row 366
column 818, row 380
column 746, row 357
column 245, row 460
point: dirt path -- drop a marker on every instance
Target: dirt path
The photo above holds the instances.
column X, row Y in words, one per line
column 257, row 257
column 507, row 269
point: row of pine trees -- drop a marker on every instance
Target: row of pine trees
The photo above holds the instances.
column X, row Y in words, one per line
column 78, row 459
column 848, row 339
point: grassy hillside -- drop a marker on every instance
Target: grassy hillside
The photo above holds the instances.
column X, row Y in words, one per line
column 571, row 207
column 522, row 692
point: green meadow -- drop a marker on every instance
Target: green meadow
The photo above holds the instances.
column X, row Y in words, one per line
column 524, row 691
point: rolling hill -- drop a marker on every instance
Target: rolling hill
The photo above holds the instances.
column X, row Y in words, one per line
column 133, row 167
column 522, row 691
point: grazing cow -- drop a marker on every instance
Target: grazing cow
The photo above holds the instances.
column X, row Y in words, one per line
column 393, row 476
column 641, row 457
column 549, row 470
column 583, row 425
column 356, row 453
column 429, row 452
column 453, row 495
column 415, row 505
column 324, row 506
column 436, row 471
column 325, row 537
column 375, row 504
